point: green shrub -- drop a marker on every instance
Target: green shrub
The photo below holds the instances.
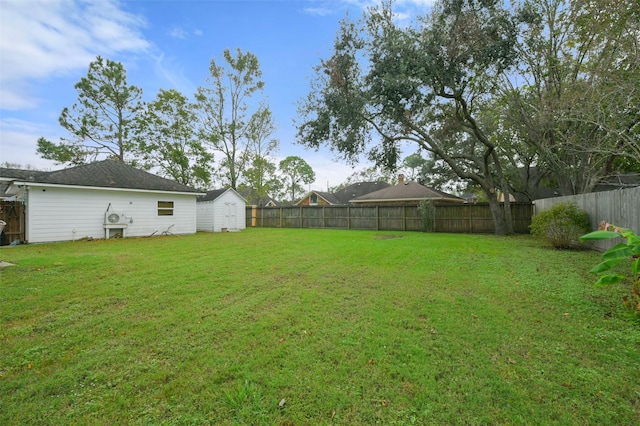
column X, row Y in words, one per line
column 561, row 225
column 428, row 212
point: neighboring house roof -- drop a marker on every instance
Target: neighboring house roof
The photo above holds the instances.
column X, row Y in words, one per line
column 215, row 193
column 621, row 180
column 18, row 173
column 404, row 192
column 328, row 197
column 101, row 174
column 469, row 197
column 345, row 195
column 359, row 189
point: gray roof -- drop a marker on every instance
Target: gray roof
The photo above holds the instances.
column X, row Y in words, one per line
column 211, row 195
column 215, row 193
column 345, row 195
column 408, row 191
column 330, row 198
column 101, row 174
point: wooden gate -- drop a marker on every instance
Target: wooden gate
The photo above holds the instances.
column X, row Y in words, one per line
column 12, row 213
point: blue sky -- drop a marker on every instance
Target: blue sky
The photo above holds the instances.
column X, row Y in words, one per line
column 46, row 47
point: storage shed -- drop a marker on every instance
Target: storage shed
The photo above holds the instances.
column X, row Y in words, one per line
column 221, row 210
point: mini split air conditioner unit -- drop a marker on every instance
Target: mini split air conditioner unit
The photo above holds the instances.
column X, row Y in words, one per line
column 112, row 218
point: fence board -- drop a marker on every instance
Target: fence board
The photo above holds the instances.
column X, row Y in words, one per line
column 620, row 207
column 12, row 213
column 466, row 218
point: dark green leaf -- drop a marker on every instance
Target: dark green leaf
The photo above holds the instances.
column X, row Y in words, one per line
column 606, row 265
column 609, row 279
column 599, row 235
column 619, row 251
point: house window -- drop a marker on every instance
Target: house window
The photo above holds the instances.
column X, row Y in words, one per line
column 313, row 199
column 165, row 208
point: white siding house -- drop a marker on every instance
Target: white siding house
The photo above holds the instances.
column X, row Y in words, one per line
column 220, row 210
column 102, row 200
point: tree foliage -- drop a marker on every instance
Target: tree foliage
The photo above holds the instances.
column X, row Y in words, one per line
column 260, row 172
column 166, row 138
column 295, row 171
column 576, row 96
column 424, row 85
column 504, row 96
column 101, row 122
column 231, row 121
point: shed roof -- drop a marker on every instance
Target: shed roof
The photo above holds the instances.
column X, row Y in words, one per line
column 101, row 174
column 215, row 193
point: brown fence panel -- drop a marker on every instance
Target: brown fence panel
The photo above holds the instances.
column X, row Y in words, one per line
column 291, row 217
column 413, row 220
column 391, row 218
column 477, row 218
column 336, row 217
column 361, row 217
column 312, row 218
column 12, row 213
column 465, row 218
column 522, row 214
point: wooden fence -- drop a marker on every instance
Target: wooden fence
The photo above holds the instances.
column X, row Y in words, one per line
column 12, row 213
column 464, row 218
column 620, row 207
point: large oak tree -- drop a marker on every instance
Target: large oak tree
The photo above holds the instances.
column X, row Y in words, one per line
column 386, row 85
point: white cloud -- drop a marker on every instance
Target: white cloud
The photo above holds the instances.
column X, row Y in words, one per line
column 319, row 11
column 45, row 38
column 171, row 71
column 18, row 143
column 178, row 32
column 329, row 173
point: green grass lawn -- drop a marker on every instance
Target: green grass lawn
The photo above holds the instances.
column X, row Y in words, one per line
column 296, row 327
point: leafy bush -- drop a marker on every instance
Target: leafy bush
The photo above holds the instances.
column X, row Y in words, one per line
column 428, row 212
column 561, row 225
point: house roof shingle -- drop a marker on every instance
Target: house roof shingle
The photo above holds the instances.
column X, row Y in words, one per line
column 101, row 174
column 330, row 198
column 211, row 195
column 408, row 191
column 359, row 189
column 345, row 195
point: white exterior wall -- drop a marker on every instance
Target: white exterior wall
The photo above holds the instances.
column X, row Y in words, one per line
column 226, row 211
column 64, row 214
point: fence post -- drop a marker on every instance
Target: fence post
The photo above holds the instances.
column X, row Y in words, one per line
column 404, row 218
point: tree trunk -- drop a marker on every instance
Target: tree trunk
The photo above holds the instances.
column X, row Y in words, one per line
column 497, row 213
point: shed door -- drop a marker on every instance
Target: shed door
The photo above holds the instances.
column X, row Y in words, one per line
column 230, row 216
